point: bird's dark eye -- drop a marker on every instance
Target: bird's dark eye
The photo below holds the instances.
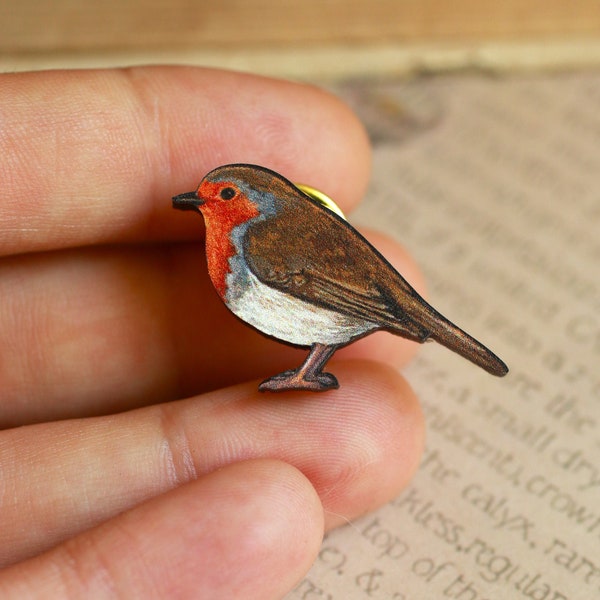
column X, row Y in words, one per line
column 227, row 193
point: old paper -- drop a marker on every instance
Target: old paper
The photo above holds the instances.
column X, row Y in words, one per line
column 494, row 185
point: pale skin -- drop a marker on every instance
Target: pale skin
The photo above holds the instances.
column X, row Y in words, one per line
column 149, row 466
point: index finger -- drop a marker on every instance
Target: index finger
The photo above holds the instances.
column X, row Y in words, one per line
column 94, row 156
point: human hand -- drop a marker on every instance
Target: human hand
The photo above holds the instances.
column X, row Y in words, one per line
column 109, row 486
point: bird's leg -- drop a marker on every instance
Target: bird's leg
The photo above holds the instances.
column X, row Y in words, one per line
column 308, row 376
column 311, row 369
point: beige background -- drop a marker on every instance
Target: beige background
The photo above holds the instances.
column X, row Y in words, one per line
column 302, row 37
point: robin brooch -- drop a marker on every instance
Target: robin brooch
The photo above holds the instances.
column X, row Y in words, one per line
column 295, row 270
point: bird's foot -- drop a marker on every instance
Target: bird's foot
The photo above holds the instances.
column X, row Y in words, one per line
column 295, row 380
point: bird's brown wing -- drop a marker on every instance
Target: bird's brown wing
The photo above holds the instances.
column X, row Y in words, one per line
column 308, row 252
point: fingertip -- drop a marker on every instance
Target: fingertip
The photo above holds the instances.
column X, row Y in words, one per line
column 343, row 139
column 130, row 139
column 392, row 432
column 266, row 529
column 246, row 531
column 252, row 531
column 304, row 132
column 359, row 445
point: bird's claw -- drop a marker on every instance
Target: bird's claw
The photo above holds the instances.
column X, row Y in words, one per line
column 294, row 380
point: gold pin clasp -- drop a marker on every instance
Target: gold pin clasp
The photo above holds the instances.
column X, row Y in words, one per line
column 322, row 198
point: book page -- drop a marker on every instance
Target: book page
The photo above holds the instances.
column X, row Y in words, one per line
column 493, row 184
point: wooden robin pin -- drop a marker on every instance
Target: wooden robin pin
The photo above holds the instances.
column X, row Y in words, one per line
column 297, row 271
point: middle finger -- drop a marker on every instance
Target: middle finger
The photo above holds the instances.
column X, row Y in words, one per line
column 100, row 330
column 357, row 448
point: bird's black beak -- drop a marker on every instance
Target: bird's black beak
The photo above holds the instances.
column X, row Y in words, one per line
column 187, row 201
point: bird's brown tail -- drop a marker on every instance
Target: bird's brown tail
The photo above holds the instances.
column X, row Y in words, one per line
column 454, row 338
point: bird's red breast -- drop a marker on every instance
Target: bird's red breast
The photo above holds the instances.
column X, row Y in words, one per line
column 221, row 218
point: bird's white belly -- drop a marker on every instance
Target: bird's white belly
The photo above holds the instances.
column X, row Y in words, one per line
column 290, row 319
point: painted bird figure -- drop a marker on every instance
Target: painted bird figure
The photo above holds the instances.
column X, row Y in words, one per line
column 296, row 271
